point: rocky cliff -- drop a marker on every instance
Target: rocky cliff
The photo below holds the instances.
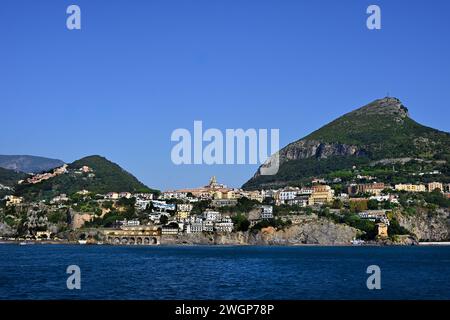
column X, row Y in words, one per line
column 304, row 149
column 426, row 226
column 320, row 232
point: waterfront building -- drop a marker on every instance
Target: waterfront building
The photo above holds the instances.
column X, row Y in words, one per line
column 208, row 226
column 224, row 225
column 169, row 230
column 194, row 225
column 375, row 216
column 382, row 230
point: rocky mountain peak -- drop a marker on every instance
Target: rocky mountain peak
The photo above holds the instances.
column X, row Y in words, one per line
column 385, row 106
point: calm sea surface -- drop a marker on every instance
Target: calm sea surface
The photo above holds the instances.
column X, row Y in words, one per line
column 39, row 272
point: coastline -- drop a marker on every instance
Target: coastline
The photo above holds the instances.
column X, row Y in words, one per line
column 75, row 243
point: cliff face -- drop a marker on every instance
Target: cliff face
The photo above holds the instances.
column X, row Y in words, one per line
column 304, row 149
column 428, row 227
column 6, row 231
column 320, row 232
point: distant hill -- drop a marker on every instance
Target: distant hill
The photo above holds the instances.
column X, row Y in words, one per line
column 104, row 176
column 29, row 164
column 379, row 131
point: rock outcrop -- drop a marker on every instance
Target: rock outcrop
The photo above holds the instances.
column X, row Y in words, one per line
column 6, row 231
column 304, row 149
column 426, row 226
column 319, row 232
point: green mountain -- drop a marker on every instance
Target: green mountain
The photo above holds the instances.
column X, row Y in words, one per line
column 9, row 178
column 8, row 181
column 379, row 133
column 29, row 164
column 102, row 176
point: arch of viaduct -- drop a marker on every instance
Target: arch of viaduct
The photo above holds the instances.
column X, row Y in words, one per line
column 144, row 236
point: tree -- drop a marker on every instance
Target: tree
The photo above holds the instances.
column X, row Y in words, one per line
column 241, row 222
column 200, row 206
column 337, row 204
column 358, row 206
column 164, row 219
column 173, row 224
column 372, row 204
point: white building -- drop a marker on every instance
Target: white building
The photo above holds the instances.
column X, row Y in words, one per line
column 301, row 201
column 143, row 196
column 142, row 204
column 306, row 191
column 129, row 223
column 126, row 195
column 173, row 195
column 163, row 206
column 167, row 230
column 266, row 212
column 375, row 215
column 194, row 225
column 210, row 215
column 224, row 225
column 288, row 194
column 185, row 207
column 58, row 199
column 208, row 226
column 112, row 196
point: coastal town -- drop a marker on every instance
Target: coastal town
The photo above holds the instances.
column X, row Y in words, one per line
column 149, row 218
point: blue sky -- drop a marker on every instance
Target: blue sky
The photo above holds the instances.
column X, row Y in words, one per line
column 140, row 69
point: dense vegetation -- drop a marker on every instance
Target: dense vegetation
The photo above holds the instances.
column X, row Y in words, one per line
column 298, row 172
column 106, row 177
column 244, row 205
column 9, row 177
